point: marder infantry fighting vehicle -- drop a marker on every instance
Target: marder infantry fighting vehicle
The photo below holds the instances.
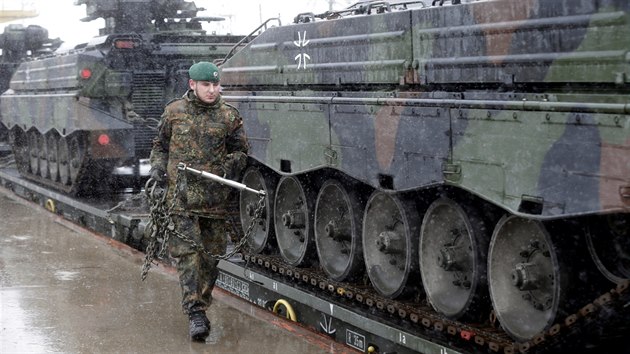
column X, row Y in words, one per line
column 472, row 155
column 74, row 116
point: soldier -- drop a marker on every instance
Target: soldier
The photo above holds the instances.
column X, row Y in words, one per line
column 205, row 133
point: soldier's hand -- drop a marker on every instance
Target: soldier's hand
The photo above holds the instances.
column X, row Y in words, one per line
column 155, row 192
column 159, row 176
column 233, row 164
column 158, row 192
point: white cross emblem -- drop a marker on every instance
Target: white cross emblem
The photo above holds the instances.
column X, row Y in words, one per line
column 302, row 57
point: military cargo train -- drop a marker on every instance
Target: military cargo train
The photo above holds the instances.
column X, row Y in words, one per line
column 471, row 156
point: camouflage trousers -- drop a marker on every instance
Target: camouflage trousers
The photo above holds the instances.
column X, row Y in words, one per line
column 197, row 271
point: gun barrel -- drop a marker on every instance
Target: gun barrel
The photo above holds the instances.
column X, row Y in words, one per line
column 211, row 176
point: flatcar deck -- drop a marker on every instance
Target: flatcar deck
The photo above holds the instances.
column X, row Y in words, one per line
column 342, row 311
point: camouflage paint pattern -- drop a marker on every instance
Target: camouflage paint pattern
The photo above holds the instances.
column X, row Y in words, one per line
column 207, row 137
column 522, row 103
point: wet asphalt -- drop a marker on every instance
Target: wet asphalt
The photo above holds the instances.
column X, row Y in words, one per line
column 66, row 290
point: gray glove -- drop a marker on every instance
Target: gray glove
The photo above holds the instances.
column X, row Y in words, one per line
column 234, row 164
column 158, row 175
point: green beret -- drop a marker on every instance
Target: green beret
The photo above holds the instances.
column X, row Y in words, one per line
column 204, row 71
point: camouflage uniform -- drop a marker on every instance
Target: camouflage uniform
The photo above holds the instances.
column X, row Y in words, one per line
column 207, row 137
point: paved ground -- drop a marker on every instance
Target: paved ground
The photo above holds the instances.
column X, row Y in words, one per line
column 66, row 290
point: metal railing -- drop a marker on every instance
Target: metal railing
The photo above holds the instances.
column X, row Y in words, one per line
column 237, row 45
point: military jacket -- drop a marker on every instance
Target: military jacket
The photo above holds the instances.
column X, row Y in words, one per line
column 208, row 137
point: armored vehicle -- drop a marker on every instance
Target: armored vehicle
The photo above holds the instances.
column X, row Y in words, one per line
column 470, row 155
column 74, row 116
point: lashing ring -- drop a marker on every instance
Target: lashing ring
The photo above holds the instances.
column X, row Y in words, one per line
column 50, row 205
column 290, row 311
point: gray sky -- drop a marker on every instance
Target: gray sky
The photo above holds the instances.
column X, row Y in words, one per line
column 62, row 18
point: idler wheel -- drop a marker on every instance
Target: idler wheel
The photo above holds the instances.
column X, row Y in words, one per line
column 338, row 231
column 262, row 233
column 608, row 241
column 526, row 282
column 390, row 229
column 293, row 220
column 453, row 250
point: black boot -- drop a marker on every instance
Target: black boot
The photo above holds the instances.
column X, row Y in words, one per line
column 199, row 326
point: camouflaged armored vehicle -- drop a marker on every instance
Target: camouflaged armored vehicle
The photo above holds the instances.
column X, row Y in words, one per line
column 472, row 155
column 74, row 116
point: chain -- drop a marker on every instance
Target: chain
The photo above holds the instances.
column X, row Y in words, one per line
column 125, row 204
column 158, row 222
column 239, row 246
column 161, row 223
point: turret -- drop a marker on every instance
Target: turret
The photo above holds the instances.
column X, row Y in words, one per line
column 144, row 16
column 17, row 41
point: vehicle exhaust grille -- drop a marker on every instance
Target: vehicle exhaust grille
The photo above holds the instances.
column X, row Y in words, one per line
column 148, row 102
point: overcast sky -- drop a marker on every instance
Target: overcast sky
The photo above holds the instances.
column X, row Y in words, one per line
column 62, row 18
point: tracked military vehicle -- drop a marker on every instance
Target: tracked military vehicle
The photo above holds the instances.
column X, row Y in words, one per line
column 469, row 156
column 74, row 116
